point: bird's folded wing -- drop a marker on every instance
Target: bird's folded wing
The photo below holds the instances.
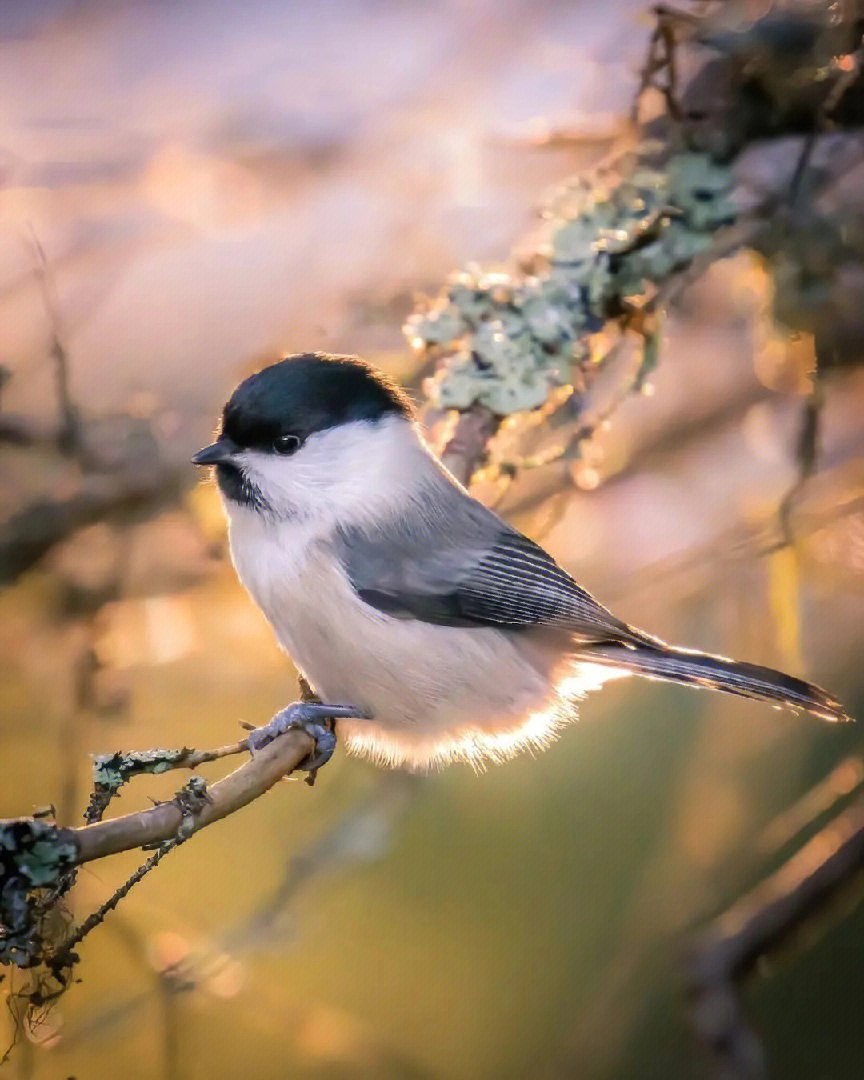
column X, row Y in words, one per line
column 484, row 574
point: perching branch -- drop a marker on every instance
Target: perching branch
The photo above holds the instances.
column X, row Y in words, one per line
column 161, row 822
column 38, row 858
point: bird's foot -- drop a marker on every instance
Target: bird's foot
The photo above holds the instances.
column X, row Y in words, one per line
column 316, row 719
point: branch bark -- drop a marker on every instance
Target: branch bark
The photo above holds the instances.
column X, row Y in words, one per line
column 466, row 449
column 38, row 859
column 161, row 822
column 141, row 488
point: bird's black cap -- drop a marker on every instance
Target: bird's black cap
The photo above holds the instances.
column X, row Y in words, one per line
column 307, row 393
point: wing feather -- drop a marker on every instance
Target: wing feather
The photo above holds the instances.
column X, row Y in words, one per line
column 487, row 575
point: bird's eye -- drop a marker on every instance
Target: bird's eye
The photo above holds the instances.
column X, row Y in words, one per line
column 286, row 443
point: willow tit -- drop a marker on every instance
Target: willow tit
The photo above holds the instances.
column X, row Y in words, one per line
column 401, row 598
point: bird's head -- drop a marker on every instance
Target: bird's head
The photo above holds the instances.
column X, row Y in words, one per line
column 307, row 435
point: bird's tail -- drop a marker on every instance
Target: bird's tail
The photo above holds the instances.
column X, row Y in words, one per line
column 718, row 673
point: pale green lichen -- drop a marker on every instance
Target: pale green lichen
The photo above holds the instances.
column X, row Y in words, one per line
column 41, row 863
column 111, row 772
column 35, row 857
column 440, row 326
column 701, row 188
column 505, row 341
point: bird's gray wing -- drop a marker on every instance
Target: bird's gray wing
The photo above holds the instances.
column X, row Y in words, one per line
column 469, row 568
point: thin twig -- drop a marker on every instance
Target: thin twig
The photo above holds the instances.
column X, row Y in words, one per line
column 729, row 949
column 113, row 771
column 806, row 454
column 160, row 823
column 844, row 81
column 93, row 920
column 193, row 758
column 69, row 436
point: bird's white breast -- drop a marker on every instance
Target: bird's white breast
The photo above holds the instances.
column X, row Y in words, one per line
column 434, row 692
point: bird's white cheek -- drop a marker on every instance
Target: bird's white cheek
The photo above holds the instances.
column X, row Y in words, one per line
column 340, row 472
column 282, row 481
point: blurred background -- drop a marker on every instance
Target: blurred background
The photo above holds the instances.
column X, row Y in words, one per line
column 189, row 190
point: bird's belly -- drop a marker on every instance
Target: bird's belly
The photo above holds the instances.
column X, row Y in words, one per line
column 417, row 680
column 433, row 692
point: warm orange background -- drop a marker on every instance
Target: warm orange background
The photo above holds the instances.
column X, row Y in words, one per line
column 216, row 183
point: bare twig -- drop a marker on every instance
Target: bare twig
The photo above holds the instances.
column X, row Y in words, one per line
column 660, row 60
column 93, row 920
column 69, row 436
column 30, row 534
column 805, row 453
column 768, row 916
column 845, row 77
column 191, row 759
column 20, row 431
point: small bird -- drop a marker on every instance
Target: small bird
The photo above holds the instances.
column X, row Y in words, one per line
column 427, row 626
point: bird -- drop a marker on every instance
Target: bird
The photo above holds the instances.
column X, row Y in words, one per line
column 429, row 629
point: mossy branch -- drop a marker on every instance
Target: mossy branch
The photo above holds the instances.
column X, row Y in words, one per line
column 38, row 858
column 731, row 163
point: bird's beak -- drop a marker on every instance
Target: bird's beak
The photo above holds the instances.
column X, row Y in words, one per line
column 217, row 453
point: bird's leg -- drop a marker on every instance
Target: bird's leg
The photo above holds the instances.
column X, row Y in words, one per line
column 316, row 719
column 309, row 697
column 307, row 694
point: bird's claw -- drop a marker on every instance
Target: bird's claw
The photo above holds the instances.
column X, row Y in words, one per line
column 316, row 719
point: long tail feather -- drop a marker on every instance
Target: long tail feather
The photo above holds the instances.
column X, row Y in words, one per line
column 718, row 673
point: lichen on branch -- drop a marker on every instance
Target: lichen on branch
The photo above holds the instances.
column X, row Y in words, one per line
column 35, row 857
column 617, row 244
column 610, row 240
column 38, row 858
